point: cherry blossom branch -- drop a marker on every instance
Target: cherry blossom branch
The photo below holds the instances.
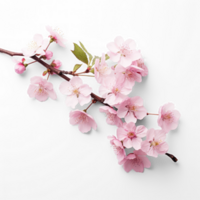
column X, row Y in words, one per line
column 58, row 72
column 63, row 74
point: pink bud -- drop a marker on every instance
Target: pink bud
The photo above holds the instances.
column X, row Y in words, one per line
column 23, row 60
column 56, row 64
column 44, row 73
column 19, row 68
column 48, row 55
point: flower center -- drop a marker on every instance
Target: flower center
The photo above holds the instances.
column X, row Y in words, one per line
column 131, row 135
column 167, row 117
column 133, row 108
column 116, row 91
column 154, row 143
column 59, row 31
column 33, row 46
column 125, row 50
column 76, row 92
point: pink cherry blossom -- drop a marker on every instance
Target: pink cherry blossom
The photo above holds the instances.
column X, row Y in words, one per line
column 129, row 75
column 112, row 117
column 123, row 52
column 131, row 135
column 56, row 64
column 136, row 161
column 48, row 55
column 118, row 149
column 41, row 89
column 168, row 117
column 101, row 69
column 155, row 143
column 132, row 109
column 56, row 35
column 37, row 46
column 113, row 91
column 20, row 66
column 76, row 92
column 140, row 63
column 85, row 121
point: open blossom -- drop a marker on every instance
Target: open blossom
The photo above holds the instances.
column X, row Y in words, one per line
column 113, row 90
column 118, row 148
column 140, row 63
column 112, row 117
column 101, row 69
column 168, row 117
column 56, row 35
column 56, row 64
column 129, row 75
column 76, row 92
column 37, row 46
column 41, row 89
column 20, row 66
column 136, row 161
column 123, row 52
column 85, row 121
column 155, row 143
column 131, row 135
column 132, row 109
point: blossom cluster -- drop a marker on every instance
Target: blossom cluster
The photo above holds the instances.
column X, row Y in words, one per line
column 116, row 83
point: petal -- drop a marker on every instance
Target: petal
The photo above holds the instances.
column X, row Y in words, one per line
column 66, row 88
column 121, row 133
column 130, row 117
column 146, row 162
column 125, row 61
column 32, row 90
column 119, row 41
column 84, row 127
column 38, row 39
column 41, row 96
column 140, row 112
column 137, row 101
column 52, row 94
column 141, row 131
column 84, row 99
column 115, row 57
column 85, row 90
column 71, row 101
column 76, row 82
column 127, row 143
column 128, row 165
column 138, row 165
column 136, row 143
column 112, row 47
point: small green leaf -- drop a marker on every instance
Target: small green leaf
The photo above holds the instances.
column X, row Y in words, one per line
column 95, row 57
column 80, row 54
column 76, row 67
column 90, row 56
column 92, row 70
column 106, row 57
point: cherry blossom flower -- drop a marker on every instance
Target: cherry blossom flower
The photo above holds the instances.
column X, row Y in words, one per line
column 37, row 46
column 85, row 121
column 76, row 92
column 123, row 52
column 41, row 89
column 136, row 161
column 132, row 109
column 118, row 149
column 155, row 143
column 131, row 135
column 56, row 35
column 113, row 90
column 48, row 55
column 140, row 63
column 56, row 64
column 129, row 75
column 20, row 67
column 101, row 69
column 112, row 117
column 168, row 117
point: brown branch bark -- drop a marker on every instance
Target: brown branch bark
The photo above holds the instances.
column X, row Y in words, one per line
column 62, row 75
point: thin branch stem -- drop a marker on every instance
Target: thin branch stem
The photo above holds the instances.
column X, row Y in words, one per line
column 48, row 46
column 31, row 62
column 151, row 114
column 172, row 157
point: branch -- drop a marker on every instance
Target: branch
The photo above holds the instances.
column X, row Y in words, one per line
column 58, row 72
column 65, row 77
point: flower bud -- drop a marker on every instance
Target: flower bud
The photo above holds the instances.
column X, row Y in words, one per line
column 48, row 55
column 44, row 73
column 19, row 68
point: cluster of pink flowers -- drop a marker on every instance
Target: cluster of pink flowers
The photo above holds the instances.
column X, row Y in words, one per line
column 116, row 83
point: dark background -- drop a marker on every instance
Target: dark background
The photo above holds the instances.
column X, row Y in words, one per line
column 38, row 140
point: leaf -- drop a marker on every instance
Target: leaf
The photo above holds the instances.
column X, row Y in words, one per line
column 80, row 54
column 92, row 70
column 86, row 51
column 95, row 57
column 76, row 67
column 106, row 57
